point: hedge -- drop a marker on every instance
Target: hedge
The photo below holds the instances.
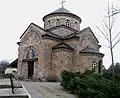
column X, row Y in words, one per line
column 91, row 85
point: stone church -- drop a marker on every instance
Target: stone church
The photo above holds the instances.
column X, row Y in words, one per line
column 60, row 45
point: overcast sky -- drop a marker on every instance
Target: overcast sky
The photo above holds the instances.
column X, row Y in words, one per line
column 16, row 15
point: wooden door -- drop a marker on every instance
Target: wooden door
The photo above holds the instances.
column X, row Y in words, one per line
column 30, row 69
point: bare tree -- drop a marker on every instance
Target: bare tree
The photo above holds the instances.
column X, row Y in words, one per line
column 115, row 11
column 107, row 32
column 3, row 65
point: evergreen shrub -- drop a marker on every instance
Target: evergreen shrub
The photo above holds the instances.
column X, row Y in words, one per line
column 91, row 85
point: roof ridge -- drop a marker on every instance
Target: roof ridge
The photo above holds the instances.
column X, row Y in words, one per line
column 88, row 49
column 62, row 45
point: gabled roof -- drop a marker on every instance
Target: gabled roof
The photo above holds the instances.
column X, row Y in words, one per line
column 89, row 29
column 93, row 53
column 50, row 34
column 32, row 24
column 73, row 35
column 62, row 26
column 88, row 49
column 62, row 45
column 13, row 64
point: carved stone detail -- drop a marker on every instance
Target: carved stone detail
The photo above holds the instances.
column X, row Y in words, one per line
column 86, row 41
column 32, row 39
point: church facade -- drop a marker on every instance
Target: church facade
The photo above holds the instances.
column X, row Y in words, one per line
column 60, row 45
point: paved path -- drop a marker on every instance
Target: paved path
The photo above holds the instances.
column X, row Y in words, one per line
column 43, row 89
column 4, row 92
column 46, row 90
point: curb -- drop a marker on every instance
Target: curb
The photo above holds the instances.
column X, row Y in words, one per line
column 29, row 96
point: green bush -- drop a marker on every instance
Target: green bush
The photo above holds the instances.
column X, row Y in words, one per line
column 90, row 85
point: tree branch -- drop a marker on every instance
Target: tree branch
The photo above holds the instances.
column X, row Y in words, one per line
column 102, row 33
column 112, row 23
column 105, row 23
column 116, row 11
column 115, row 36
column 106, row 45
column 105, row 31
column 116, row 43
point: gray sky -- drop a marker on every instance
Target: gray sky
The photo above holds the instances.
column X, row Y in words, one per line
column 16, row 15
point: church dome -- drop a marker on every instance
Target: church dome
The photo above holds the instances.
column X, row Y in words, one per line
column 61, row 16
column 61, row 10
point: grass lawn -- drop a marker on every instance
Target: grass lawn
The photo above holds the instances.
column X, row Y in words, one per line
column 4, row 86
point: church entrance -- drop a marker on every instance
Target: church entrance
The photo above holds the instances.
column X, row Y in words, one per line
column 30, row 69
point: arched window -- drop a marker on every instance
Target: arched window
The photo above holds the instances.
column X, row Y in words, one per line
column 67, row 23
column 94, row 65
column 49, row 24
column 76, row 25
column 31, row 53
column 57, row 22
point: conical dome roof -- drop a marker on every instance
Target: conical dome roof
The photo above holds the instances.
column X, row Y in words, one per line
column 62, row 10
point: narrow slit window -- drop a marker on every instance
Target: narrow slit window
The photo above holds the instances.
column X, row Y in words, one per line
column 76, row 25
column 57, row 22
column 49, row 24
column 68, row 23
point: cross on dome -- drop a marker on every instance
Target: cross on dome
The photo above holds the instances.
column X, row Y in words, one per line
column 63, row 1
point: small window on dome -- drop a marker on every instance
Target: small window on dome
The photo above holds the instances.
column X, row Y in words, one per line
column 57, row 22
column 75, row 22
column 76, row 25
column 67, row 22
column 49, row 24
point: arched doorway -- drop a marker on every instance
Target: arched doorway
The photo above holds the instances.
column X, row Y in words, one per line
column 31, row 58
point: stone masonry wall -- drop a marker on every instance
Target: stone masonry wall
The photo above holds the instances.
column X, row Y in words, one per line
column 62, row 59
column 51, row 22
column 86, row 61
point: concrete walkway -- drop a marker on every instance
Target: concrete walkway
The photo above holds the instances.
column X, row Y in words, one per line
column 7, row 92
column 46, row 90
column 42, row 89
